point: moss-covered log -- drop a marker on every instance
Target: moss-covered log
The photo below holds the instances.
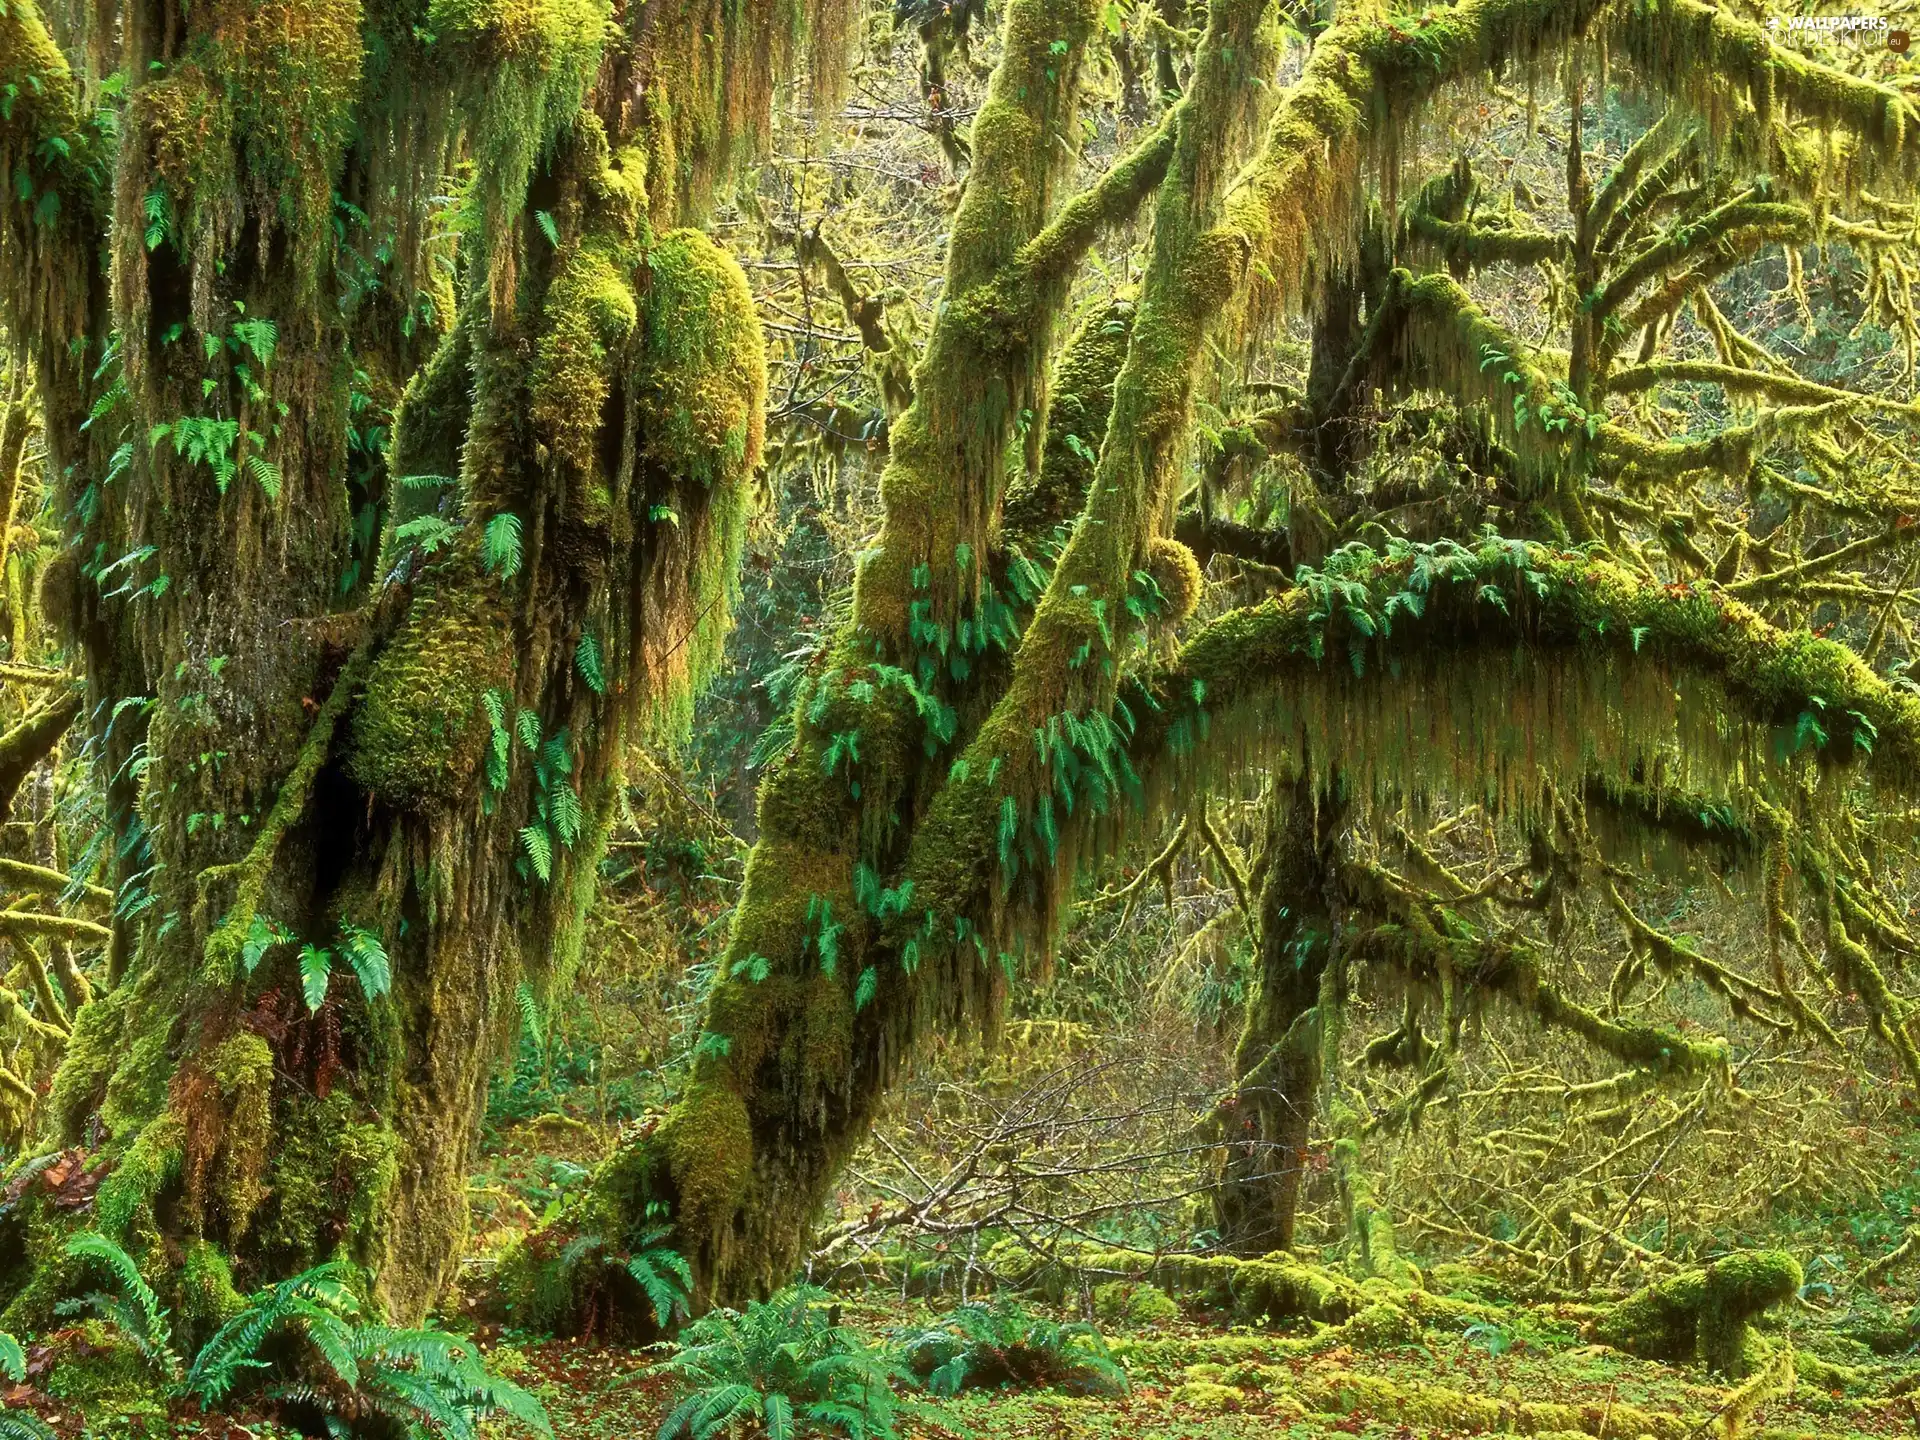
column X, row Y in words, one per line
column 1704, row 1315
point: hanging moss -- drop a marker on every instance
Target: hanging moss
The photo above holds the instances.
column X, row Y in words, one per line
column 1739, row 81
column 523, row 68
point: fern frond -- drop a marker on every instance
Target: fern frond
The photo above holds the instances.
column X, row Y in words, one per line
column 502, row 551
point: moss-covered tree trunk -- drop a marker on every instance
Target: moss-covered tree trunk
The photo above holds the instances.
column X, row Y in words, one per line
column 1265, row 1120
column 362, row 705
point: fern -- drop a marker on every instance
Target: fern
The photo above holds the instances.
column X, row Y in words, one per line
column 527, row 726
column 316, row 973
column 134, row 1309
column 502, row 549
column 783, row 1361
column 159, row 218
column 539, row 848
column 429, row 532
column 566, row 814
column 663, row 1273
column 427, row 1381
column 369, row 960
column 588, row 660
column 1006, row 1346
column 18, row 1424
column 532, row 1023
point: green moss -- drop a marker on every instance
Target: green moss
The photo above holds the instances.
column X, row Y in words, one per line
column 1079, row 401
column 105, row 1376
column 242, row 1068
column 709, row 1139
column 124, row 1205
column 419, row 733
column 1176, row 578
column 252, row 115
column 1130, row 1302
column 91, row 1055
column 328, row 1174
column 1704, row 1315
column 704, row 367
column 208, row 1297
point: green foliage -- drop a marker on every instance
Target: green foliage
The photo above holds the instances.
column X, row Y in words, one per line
column 1002, row 1344
column 130, row 1306
column 785, row 1367
column 17, row 1424
column 503, row 550
column 663, row 1273
column 311, row 1325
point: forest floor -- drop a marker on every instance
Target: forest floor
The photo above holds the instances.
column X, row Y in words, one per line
column 1251, row 1390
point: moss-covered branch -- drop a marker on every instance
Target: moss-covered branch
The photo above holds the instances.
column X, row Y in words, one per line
column 32, row 740
column 67, row 927
column 1776, row 694
column 1700, row 53
column 23, row 873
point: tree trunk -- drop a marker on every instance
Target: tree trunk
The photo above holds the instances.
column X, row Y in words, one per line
column 362, row 783
column 1277, row 1063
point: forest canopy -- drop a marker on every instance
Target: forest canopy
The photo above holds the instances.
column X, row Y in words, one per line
column 980, row 714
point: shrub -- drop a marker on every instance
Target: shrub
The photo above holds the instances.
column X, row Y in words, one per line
column 1005, row 1345
column 784, row 1368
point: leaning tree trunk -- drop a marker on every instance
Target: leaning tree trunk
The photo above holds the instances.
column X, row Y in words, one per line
column 363, row 707
column 1264, row 1121
column 951, row 765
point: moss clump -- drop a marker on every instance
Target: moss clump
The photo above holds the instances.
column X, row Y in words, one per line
column 1704, row 1315
column 1176, row 577
column 1275, row 1288
column 329, row 1171
column 208, row 1297
column 1077, row 411
column 124, row 1205
column 105, row 1375
column 1132, row 1302
column 418, row 734
column 710, row 1141
column 242, row 1068
column 705, row 366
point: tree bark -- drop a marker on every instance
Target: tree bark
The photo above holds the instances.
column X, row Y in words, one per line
column 1277, row 1064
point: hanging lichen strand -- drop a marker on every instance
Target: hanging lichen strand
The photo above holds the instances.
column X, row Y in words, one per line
column 373, row 807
